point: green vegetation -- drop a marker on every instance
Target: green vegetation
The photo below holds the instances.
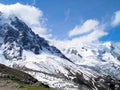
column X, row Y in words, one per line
column 13, row 79
column 30, row 87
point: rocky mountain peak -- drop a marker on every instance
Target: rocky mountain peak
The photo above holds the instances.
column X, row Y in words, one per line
column 16, row 36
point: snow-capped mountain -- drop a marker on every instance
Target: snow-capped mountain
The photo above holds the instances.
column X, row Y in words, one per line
column 16, row 36
column 103, row 58
column 21, row 48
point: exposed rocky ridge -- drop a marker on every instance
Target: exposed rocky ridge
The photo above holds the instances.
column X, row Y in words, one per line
column 6, row 72
column 93, row 83
column 17, row 36
column 99, row 83
column 19, row 76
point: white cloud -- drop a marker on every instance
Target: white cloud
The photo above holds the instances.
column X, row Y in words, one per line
column 92, row 35
column 90, row 31
column 31, row 15
column 86, row 27
column 116, row 19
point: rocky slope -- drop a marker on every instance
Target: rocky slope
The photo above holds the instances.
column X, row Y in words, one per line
column 102, row 57
column 6, row 72
column 13, row 79
column 17, row 36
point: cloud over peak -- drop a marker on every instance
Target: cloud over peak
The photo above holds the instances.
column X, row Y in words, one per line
column 31, row 15
column 90, row 31
column 86, row 27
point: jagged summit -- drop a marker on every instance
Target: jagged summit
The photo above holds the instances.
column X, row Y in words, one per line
column 17, row 36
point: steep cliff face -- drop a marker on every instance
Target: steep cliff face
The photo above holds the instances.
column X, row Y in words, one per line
column 16, row 36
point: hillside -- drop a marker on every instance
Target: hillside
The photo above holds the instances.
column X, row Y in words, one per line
column 12, row 79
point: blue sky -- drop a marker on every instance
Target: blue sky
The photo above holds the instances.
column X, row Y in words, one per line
column 63, row 15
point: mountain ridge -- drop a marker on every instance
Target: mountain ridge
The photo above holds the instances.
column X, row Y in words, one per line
column 102, row 57
column 25, row 38
column 22, row 49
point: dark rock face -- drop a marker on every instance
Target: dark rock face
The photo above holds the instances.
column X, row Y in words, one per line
column 19, row 76
column 14, row 74
column 99, row 83
column 17, row 36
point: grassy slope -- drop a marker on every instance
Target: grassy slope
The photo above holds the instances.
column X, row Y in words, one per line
column 8, row 84
column 28, row 87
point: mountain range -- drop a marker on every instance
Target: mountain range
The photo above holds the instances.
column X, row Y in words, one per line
column 87, row 67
